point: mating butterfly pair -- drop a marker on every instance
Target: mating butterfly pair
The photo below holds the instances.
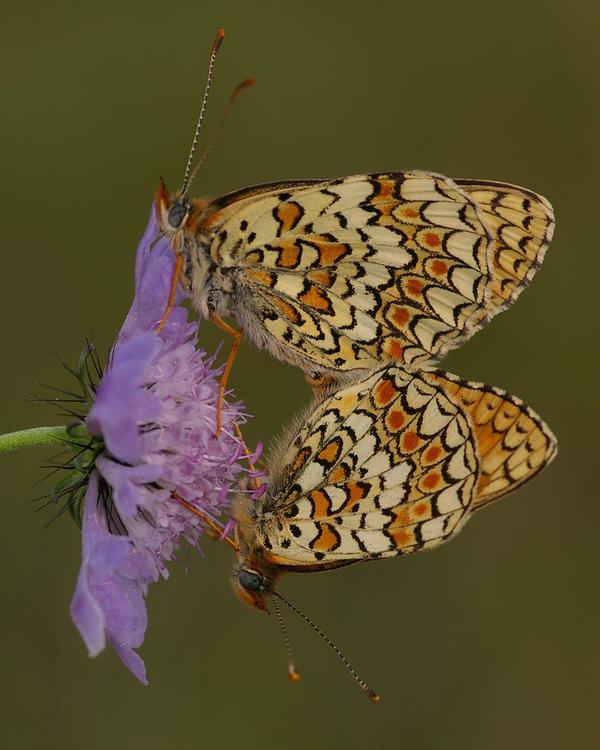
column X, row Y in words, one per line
column 343, row 277
column 365, row 282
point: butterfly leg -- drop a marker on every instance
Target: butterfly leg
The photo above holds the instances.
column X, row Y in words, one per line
column 319, row 382
column 213, row 531
column 172, row 290
column 237, row 340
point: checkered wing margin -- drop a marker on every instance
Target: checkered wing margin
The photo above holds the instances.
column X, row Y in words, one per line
column 513, row 442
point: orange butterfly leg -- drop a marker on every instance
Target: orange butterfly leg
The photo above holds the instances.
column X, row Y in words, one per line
column 247, row 454
column 215, row 532
column 171, row 300
column 237, row 340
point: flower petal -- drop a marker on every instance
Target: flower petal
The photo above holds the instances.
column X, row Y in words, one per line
column 110, row 595
column 121, row 405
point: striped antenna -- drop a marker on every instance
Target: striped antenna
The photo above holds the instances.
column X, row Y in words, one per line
column 292, row 673
column 211, row 62
column 369, row 692
column 239, row 88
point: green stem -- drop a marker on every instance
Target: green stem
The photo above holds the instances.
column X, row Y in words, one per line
column 43, row 437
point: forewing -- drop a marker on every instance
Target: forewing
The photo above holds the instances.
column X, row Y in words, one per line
column 348, row 273
column 382, row 467
column 513, row 443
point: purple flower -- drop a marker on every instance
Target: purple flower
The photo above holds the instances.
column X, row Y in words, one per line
column 154, row 418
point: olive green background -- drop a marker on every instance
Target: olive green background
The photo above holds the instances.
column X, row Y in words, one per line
column 489, row 642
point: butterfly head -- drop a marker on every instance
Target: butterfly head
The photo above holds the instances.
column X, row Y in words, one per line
column 250, row 586
column 176, row 214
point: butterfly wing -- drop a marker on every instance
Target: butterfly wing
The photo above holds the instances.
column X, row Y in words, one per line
column 522, row 223
column 348, row 273
column 394, row 464
column 513, row 442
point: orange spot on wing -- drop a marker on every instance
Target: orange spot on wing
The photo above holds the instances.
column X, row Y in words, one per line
column 421, row 509
column 289, row 311
column 385, row 201
column 431, row 480
column 410, row 213
column 321, row 503
column 301, row 459
column 385, row 392
column 432, row 239
column 330, row 453
column 439, row 268
column 394, row 349
column 410, row 440
column 338, row 474
column 326, row 539
column 262, row 277
column 356, row 491
column 288, row 214
column 330, row 253
column 321, row 277
column 395, row 419
column 288, row 255
column 386, row 188
column 316, row 299
column 415, row 287
column 400, row 316
column 484, row 480
column 401, row 537
column 432, row 454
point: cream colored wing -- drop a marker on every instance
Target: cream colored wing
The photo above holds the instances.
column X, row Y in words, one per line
column 393, row 464
column 354, row 272
column 522, row 223
column 513, row 442
column 382, row 467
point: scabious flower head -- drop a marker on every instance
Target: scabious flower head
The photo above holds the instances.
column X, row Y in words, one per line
column 153, row 422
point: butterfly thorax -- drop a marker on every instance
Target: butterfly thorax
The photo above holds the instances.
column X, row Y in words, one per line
column 207, row 279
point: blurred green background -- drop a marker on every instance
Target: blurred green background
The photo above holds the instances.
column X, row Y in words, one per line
column 489, row 642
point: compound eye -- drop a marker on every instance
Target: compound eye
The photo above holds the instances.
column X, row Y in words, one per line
column 177, row 214
column 250, row 580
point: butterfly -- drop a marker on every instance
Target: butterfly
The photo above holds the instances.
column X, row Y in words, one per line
column 392, row 464
column 346, row 274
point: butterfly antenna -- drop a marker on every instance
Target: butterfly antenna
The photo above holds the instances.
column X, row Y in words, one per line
column 220, row 127
column 370, row 693
column 211, row 62
column 292, row 673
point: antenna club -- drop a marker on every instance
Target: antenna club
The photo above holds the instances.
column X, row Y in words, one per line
column 373, row 696
column 218, row 40
column 292, row 673
column 240, row 87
